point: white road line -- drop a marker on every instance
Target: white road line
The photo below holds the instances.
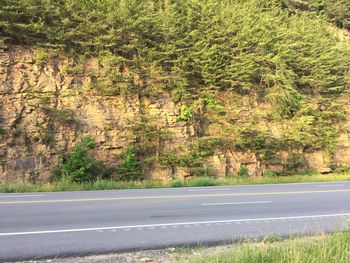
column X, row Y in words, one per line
column 19, row 196
column 173, row 224
column 209, row 189
column 238, row 203
column 329, row 185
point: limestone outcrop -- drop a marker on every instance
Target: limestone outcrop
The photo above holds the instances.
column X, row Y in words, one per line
column 45, row 110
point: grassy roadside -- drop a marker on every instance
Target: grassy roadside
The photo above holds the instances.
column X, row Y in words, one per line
column 317, row 249
column 21, row 187
column 334, row 248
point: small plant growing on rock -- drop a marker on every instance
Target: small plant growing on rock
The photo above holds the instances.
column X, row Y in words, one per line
column 185, row 115
column 243, row 171
column 41, row 56
column 26, row 148
column 214, row 106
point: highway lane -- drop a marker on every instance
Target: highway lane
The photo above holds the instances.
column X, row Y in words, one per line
column 44, row 225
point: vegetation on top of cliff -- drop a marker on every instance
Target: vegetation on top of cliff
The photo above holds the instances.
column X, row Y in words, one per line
column 193, row 45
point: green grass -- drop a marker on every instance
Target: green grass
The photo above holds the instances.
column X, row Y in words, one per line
column 177, row 183
column 21, row 187
column 318, row 249
column 205, row 181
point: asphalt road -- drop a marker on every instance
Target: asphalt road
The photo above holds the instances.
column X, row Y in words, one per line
column 46, row 225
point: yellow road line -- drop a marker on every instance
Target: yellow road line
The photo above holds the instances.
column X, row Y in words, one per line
column 170, row 197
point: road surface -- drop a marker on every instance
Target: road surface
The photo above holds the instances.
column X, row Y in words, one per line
column 46, row 225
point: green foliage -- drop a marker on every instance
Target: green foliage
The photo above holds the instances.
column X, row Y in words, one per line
column 107, row 184
column 41, row 56
column 310, row 171
column 203, row 181
column 295, row 163
column 185, row 114
column 102, row 171
column 192, row 160
column 343, row 169
column 26, row 148
column 272, row 239
column 148, row 144
column 149, row 137
column 78, row 165
column 243, row 171
column 267, row 173
column 170, row 159
column 130, row 168
column 206, row 146
column 214, row 106
column 314, row 127
column 286, row 100
column 176, row 183
column 174, row 158
column 108, row 78
column 192, row 45
column 321, row 248
column 251, row 136
column 129, row 159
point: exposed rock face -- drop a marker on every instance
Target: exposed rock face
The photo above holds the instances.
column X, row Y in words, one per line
column 44, row 111
column 236, row 159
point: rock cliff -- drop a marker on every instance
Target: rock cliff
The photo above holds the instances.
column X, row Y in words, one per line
column 45, row 108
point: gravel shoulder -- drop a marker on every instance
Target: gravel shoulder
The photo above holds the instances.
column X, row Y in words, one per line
column 168, row 255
